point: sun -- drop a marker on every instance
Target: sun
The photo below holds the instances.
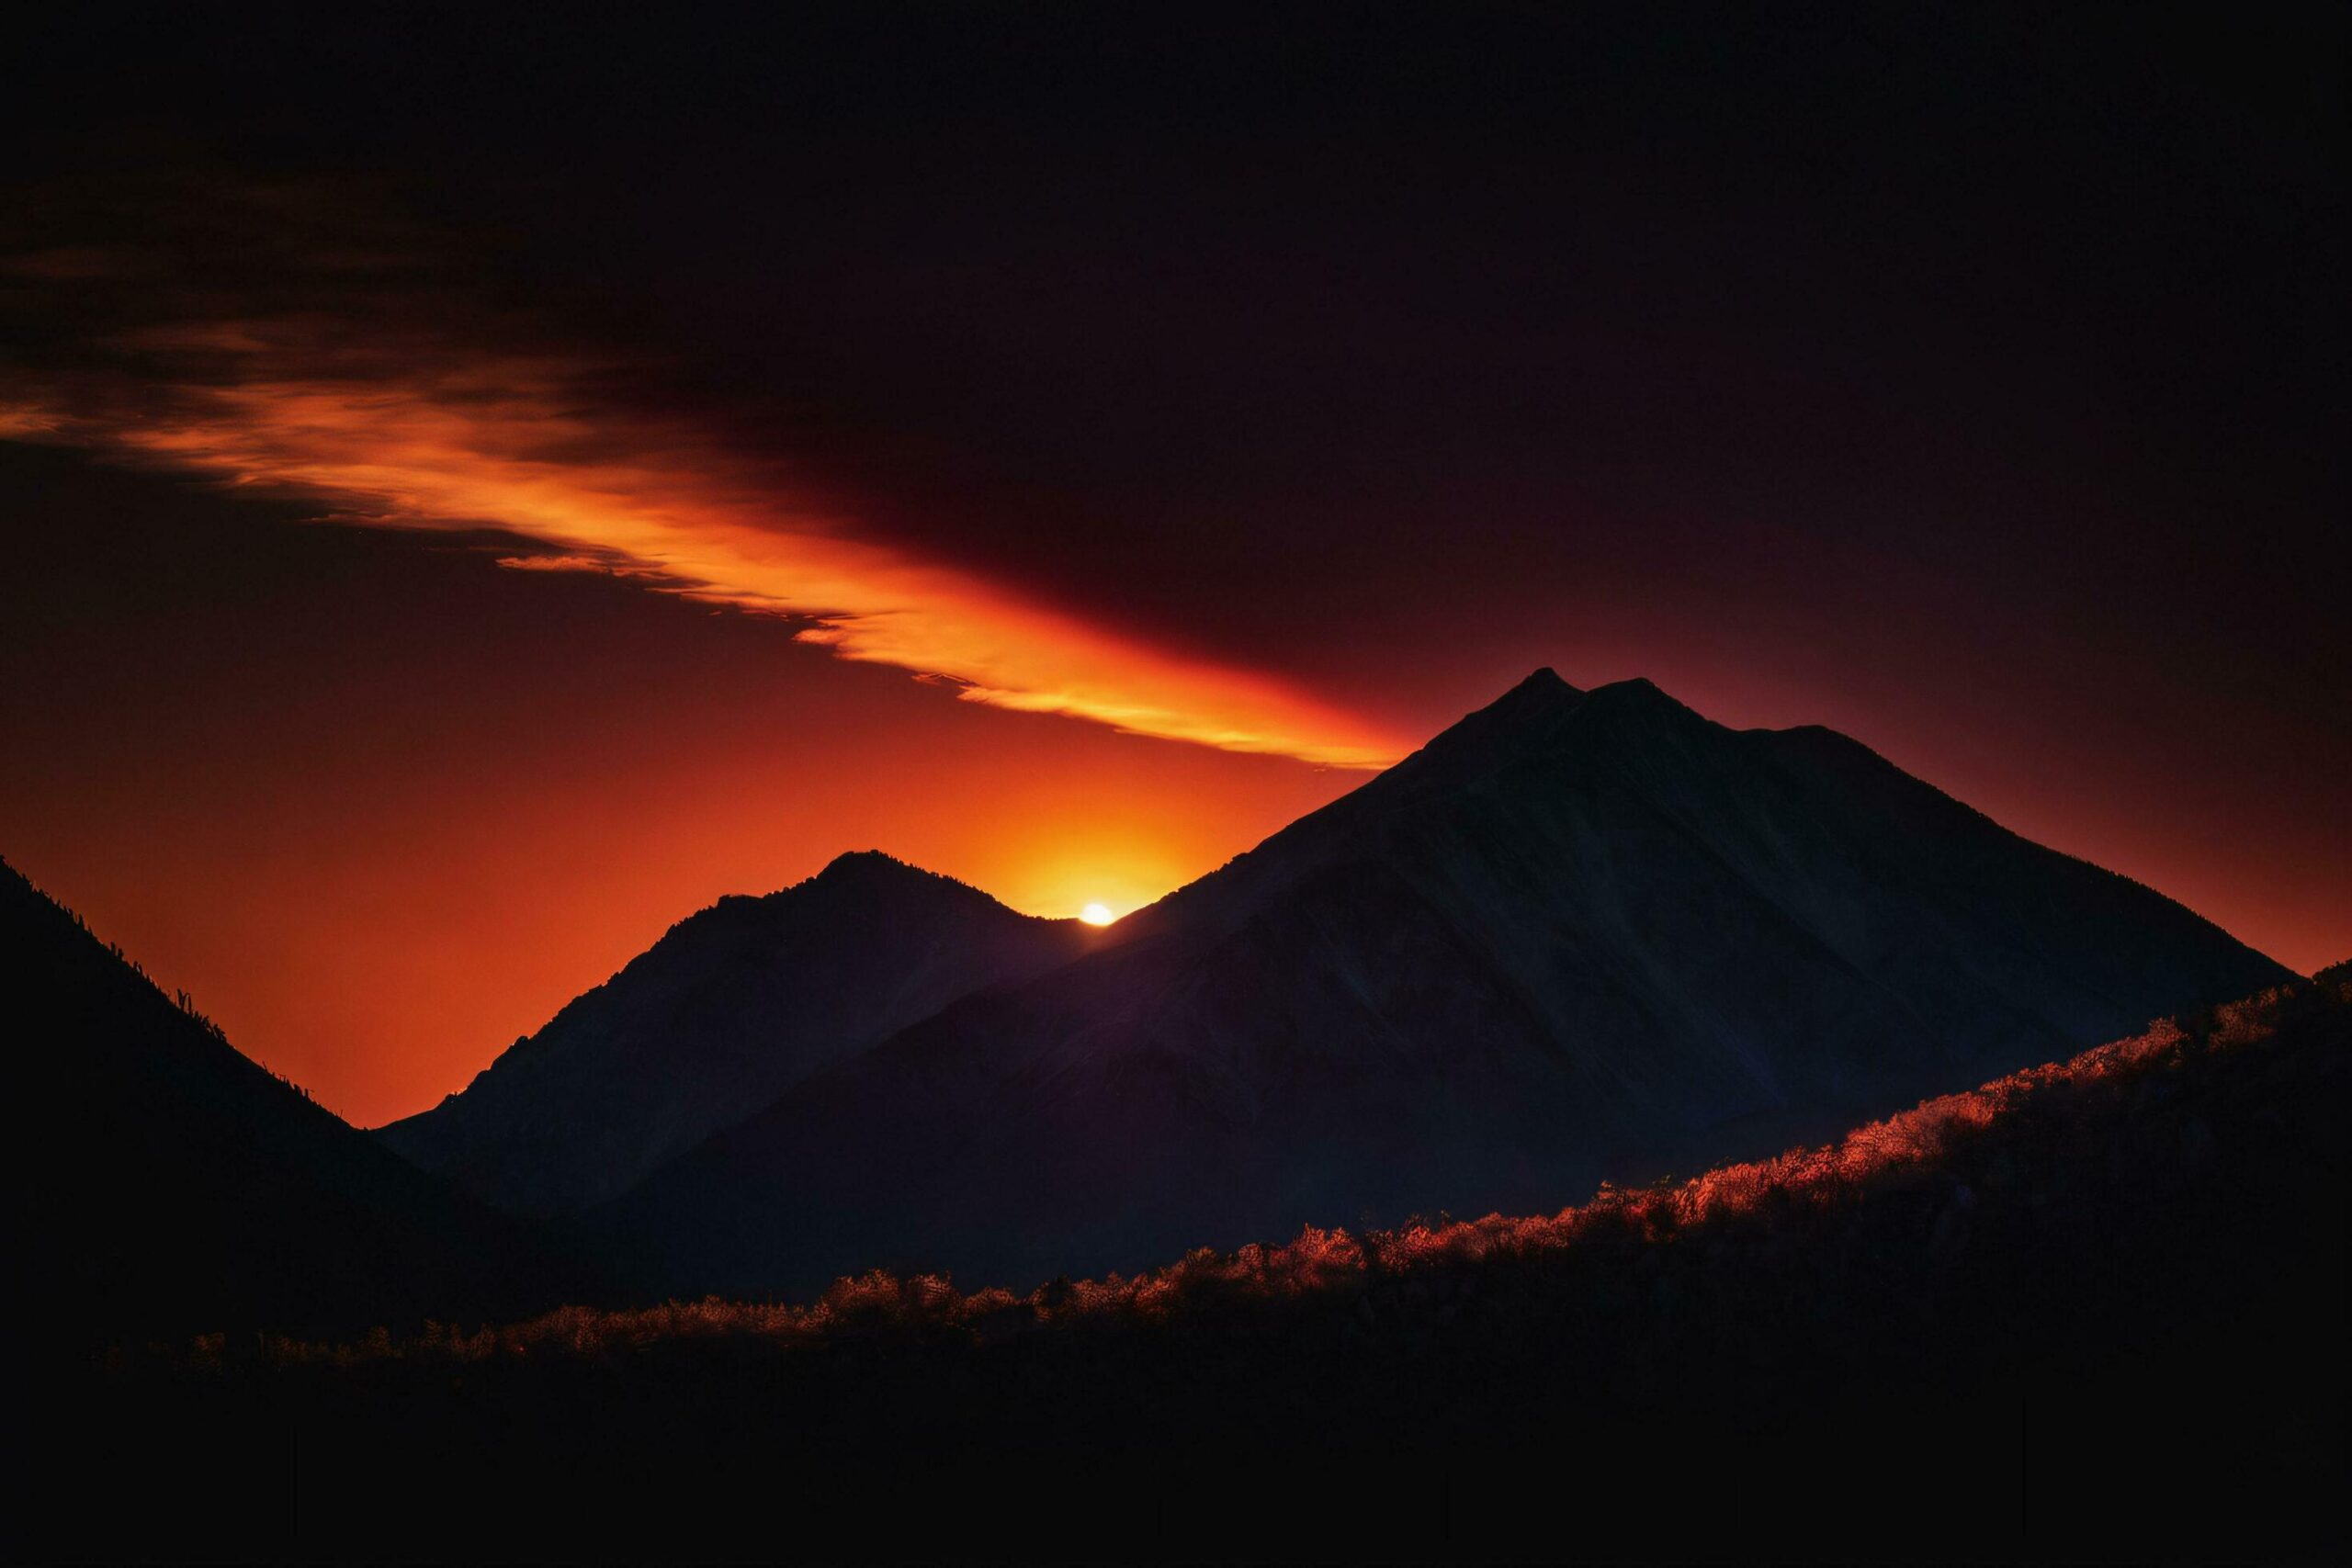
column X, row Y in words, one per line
column 1096, row 914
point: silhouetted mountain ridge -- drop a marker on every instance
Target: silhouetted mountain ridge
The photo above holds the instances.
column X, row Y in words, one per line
column 1577, row 935
column 731, row 1008
column 178, row 1187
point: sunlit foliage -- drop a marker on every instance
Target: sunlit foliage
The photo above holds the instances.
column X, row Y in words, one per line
column 1418, row 1262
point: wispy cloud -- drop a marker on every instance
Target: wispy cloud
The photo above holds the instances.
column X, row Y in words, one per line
column 400, row 413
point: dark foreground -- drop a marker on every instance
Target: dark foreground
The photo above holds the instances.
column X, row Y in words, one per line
column 2096, row 1316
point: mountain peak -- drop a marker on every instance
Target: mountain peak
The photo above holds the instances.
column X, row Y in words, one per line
column 875, row 868
column 875, row 873
column 1540, row 692
column 1539, row 697
column 733, row 1006
column 863, row 862
column 1473, row 742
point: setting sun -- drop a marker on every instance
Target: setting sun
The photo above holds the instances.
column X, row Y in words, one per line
column 1096, row 914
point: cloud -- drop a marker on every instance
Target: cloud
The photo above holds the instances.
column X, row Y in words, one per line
column 379, row 390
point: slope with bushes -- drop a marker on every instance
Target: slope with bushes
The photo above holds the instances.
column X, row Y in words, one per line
column 2092, row 1308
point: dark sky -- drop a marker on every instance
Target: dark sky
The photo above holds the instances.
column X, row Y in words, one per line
column 1969, row 380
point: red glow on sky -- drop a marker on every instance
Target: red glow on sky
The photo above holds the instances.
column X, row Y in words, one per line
column 428, row 434
column 386, row 667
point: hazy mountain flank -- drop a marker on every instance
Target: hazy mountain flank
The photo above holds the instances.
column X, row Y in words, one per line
column 731, row 1009
column 1579, row 934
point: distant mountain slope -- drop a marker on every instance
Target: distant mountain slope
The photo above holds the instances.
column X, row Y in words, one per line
column 1579, row 935
column 731, row 1009
column 174, row 1186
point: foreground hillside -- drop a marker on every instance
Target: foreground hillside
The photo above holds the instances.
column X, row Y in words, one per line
column 172, row 1184
column 2089, row 1310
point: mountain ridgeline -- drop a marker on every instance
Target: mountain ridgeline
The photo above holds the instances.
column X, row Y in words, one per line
column 725, row 1013
column 178, row 1188
column 1579, row 935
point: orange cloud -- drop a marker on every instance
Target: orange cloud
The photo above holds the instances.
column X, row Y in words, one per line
column 419, row 431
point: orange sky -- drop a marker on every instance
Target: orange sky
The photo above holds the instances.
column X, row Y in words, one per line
column 375, row 912
column 402, row 871
column 382, row 805
column 386, row 662
column 435, row 431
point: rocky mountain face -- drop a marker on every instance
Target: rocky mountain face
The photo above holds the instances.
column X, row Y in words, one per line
column 176, row 1188
column 717, row 1020
column 1579, row 935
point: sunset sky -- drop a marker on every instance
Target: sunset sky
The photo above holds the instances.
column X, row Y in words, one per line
column 478, row 488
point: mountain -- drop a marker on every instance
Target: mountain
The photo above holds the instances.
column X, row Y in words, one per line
column 731, row 1009
column 1580, row 934
column 172, row 1185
